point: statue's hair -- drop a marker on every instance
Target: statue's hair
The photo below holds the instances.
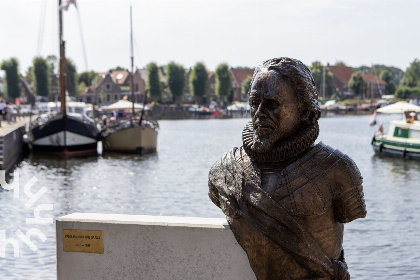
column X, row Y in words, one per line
column 299, row 77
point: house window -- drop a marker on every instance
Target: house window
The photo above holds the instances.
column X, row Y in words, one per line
column 136, row 87
column 108, row 97
column 108, row 86
column 88, row 99
column 116, row 97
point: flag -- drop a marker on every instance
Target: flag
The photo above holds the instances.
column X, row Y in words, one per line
column 66, row 5
column 372, row 120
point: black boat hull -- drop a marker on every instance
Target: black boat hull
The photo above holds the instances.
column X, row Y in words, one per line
column 65, row 135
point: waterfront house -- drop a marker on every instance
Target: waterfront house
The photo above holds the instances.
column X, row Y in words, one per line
column 341, row 77
column 239, row 75
column 375, row 86
column 113, row 86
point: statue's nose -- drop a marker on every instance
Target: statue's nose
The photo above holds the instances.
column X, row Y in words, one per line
column 260, row 110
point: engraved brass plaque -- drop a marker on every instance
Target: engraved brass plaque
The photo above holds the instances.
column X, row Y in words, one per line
column 85, row 241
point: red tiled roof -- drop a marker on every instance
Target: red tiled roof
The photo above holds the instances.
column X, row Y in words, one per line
column 372, row 78
column 240, row 74
column 343, row 73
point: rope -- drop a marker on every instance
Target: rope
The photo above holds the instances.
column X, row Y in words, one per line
column 83, row 40
column 41, row 27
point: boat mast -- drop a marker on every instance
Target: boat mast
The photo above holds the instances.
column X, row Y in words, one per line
column 62, row 61
column 132, row 67
column 323, row 83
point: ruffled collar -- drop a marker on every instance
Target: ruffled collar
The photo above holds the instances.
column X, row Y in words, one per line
column 285, row 150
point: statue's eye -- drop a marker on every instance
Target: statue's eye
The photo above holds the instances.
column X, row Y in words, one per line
column 255, row 103
column 271, row 104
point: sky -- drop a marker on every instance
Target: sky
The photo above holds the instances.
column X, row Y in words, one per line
column 238, row 32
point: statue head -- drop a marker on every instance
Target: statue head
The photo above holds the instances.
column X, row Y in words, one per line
column 283, row 100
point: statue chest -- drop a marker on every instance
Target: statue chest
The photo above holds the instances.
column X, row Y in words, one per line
column 298, row 193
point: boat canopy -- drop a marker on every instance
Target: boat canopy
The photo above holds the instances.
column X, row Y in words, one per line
column 398, row 108
column 122, row 105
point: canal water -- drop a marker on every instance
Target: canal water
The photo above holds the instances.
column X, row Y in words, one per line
column 173, row 182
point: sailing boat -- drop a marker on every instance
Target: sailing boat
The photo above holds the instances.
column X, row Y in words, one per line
column 65, row 133
column 133, row 136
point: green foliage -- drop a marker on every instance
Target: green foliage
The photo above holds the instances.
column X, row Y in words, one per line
column 340, row 63
column 390, row 86
column 87, row 78
column 317, row 70
column 356, row 84
column 41, row 76
column 198, row 80
column 13, row 86
column 29, row 76
column 246, row 85
column 81, row 87
column 223, row 80
column 396, row 73
column 175, row 79
column 411, row 76
column 71, row 77
column 152, row 81
column 405, row 92
column 118, row 68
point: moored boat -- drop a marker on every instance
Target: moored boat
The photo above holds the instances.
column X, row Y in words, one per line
column 135, row 135
column 402, row 139
column 61, row 132
column 128, row 138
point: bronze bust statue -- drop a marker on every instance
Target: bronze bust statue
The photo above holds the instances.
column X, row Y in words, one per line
column 286, row 199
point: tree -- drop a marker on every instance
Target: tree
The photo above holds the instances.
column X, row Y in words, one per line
column 340, row 63
column 411, row 76
column 29, row 75
column 356, row 84
column 396, row 73
column 317, row 70
column 198, row 81
column 41, row 76
column 405, row 92
column 390, row 85
column 118, row 68
column 13, row 86
column 152, row 81
column 175, row 80
column 81, row 87
column 246, row 85
column 223, row 81
column 71, row 78
column 87, row 78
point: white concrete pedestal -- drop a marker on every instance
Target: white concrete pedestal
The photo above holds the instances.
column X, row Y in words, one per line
column 153, row 247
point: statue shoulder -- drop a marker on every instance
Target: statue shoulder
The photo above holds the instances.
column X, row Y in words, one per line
column 346, row 184
column 225, row 163
column 225, row 182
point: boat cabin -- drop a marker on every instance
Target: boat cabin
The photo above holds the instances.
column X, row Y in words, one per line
column 408, row 129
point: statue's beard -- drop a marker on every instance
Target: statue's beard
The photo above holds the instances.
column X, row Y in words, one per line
column 266, row 148
column 263, row 144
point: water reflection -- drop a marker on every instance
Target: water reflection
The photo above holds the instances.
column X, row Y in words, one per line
column 59, row 164
column 173, row 182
